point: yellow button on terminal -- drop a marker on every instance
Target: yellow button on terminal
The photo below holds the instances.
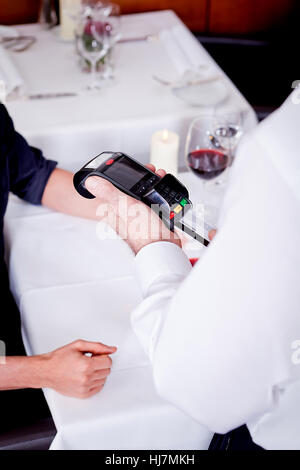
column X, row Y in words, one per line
column 178, row 209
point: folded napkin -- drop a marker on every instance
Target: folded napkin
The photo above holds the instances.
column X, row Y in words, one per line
column 183, row 50
column 176, row 54
column 9, row 75
column 190, row 45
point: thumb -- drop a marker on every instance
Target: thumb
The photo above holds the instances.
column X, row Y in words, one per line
column 212, row 234
column 93, row 347
column 98, row 186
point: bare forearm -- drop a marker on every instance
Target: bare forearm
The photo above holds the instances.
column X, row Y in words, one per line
column 23, row 372
column 60, row 195
column 67, row 370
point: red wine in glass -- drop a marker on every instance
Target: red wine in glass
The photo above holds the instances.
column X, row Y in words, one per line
column 207, row 163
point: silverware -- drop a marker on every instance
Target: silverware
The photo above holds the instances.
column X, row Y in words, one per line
column 18, row 43
column 183, row 83
column 47, row 96
column 149, row 37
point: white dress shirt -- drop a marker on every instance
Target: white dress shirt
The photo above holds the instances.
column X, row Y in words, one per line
column 224, row 336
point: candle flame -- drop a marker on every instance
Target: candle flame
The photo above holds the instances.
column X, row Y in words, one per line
column 165, row 135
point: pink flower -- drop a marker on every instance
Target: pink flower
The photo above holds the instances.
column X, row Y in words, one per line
column 99, row 25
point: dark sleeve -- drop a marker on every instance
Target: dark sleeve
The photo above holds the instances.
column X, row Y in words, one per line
column 28, row 170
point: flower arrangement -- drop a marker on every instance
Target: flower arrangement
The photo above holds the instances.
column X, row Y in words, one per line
column 94, row 31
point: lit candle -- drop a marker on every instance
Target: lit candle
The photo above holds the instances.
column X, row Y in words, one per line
column 68, row 8
column 164, row 151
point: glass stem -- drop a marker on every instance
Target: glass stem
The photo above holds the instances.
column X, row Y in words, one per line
column 93, row 74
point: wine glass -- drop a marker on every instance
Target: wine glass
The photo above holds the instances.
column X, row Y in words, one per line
column 205, row 156
column 208, row 160
column 111, row 18
column 228, row 129
column 47, row 14
column 92, row 44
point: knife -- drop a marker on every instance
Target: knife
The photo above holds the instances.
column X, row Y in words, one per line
column 47, row 96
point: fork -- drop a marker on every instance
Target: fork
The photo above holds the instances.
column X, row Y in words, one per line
column 18, row 43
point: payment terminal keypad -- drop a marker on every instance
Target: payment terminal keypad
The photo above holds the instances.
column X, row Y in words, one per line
column 174, row 194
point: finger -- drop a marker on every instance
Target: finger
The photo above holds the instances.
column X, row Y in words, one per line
column 101, row 374
column 98, row 379
column 101, row 363
column 99, row 186
column 92, row 392
column 161, row 173
column 97, row 382
column 95, row 390
column 93, row 347
column 212, row 234
column 151, row 167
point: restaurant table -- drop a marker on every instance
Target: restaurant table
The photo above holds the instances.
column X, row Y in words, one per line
column 72, row 281
column 123, row 116
column 74, row 278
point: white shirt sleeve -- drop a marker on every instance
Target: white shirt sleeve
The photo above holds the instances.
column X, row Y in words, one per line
column 159, row 281
column 219, row 335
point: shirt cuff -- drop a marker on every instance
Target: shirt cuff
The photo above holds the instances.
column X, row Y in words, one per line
column 159, row 260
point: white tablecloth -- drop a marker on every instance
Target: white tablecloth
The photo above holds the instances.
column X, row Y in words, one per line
column 123, row 116
column 67, row 282
column 70, row 285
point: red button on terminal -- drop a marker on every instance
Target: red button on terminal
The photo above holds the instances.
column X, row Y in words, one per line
column 110, row 162
column 172, row 215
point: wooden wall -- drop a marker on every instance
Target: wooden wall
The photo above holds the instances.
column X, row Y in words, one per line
column 18, row 11
column 192, row 12
column 248, row 16
column 207, row 16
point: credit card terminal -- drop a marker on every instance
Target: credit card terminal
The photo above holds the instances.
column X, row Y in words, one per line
column 167, row 196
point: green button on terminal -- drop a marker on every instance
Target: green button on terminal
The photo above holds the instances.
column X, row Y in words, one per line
column 183, row 202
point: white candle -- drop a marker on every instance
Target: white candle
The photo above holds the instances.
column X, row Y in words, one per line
column 68, row 8
column 164, row 151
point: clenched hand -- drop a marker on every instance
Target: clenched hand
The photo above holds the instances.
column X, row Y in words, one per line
column 71, row 372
